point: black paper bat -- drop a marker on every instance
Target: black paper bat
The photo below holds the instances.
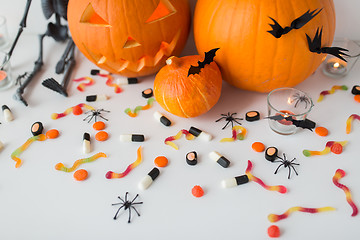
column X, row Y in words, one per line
column 315, row 46
column 277, row 31
column 209, row 58
column 306, row 123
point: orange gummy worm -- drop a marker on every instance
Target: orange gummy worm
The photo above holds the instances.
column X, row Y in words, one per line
column 349, row 122
column 169, row 140
column 329, row 144
column 235, row 134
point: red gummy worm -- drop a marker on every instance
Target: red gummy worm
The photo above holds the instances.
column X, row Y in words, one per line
column 338, row 175
column 275, row 217
column 279, row 188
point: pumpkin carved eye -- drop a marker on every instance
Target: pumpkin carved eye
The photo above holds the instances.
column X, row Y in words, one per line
column 89, row 16
column 163, row 10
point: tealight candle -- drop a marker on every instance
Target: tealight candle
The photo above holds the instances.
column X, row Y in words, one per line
column 336, row 66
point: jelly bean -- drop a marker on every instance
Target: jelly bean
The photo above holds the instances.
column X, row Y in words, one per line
column 77, row 163
column 275, row 217
column 112, row 175
column 80, row 175
column 321, row 131
column 15, row 155
column 70, row 110
column 349, row 121
column 333, row 89
column 338, row 175
column 139, row 108
column 168, row 141
column 357, row 98
column 279, row 188
column 8, row 116
column 258, row 147
column 235, row 134
column 52, row 134
column 161, row 161
column 99, row 125
column 329, row 144
column 101, row 136
column 81, row 86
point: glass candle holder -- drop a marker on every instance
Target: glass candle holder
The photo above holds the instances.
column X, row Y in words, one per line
column 4, row 35
column 287, row 102
column 337, row 68
column 5, row 71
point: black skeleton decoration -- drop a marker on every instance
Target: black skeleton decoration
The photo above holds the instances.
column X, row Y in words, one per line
column 59, row 33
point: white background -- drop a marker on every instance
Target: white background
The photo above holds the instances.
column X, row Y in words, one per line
column 38, row 202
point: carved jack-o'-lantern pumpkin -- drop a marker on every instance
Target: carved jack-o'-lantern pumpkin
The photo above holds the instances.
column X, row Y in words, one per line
column 129, row 37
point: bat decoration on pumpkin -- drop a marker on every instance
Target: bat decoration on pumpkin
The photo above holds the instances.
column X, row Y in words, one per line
column 277, row 31
column 306, row 123
column 315, row 46
column 209, row 58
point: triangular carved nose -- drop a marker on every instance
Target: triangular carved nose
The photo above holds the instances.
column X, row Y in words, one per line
column 130, row 43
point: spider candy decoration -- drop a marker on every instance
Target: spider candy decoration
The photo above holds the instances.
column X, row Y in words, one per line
column 230, row 119
column 301, row 98
column 287, row 164
column 127, row 205
column 94, row 114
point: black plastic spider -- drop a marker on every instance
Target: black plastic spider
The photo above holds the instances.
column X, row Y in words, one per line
column 287, row 164
column 94, row 114
column 127, row 205
column 229, row 118
column 301, row 98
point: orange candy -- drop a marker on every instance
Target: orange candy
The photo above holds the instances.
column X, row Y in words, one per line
column 357, row 98
column 161, row 161
column 258, row 147
column 274, row 231
column 52, row 133
column 336, row 148
column 99, row 125
column 197, row 191
column 80, row 175
column 101, row 136
column 321, row 131
column 77, row 110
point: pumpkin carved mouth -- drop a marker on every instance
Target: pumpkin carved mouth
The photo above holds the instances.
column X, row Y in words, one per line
column 165, row 49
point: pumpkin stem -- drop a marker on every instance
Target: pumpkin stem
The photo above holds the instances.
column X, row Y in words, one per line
column 173, row 61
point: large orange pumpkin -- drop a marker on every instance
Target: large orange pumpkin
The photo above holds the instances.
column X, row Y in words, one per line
column 187, row 95
column 129, row 37
column 250, row 57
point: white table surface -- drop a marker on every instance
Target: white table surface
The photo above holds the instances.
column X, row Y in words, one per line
column 38, row 202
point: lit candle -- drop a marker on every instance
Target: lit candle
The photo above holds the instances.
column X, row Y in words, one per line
column 336, row 66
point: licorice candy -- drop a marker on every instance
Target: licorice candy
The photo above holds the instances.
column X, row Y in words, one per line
column 235, row 181
column 37, row 128
column 7, row 113
column 149, row 178
column 252, row 116
column 161, row 118
column 221, row 160
column 86, row 143
column 132, row 138
column 271, row 154
column 200, row 134
column 191, row 158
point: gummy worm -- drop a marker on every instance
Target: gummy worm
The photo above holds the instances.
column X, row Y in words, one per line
column 15, row 155
column 69, row 110
column 139, row 108
column 279, row 188
column 169, row 140
column 338, row 175
column 81, row 86
column 111, row 175
column 349, row 120
column 77, row 163
column 329, row 144
column 109, row 82
column 275, row 217
column 333, row 89
column 235, row 134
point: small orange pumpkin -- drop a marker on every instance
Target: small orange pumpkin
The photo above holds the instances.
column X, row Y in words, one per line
column 187, row 96
column 253, row 59
column 129, row 37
